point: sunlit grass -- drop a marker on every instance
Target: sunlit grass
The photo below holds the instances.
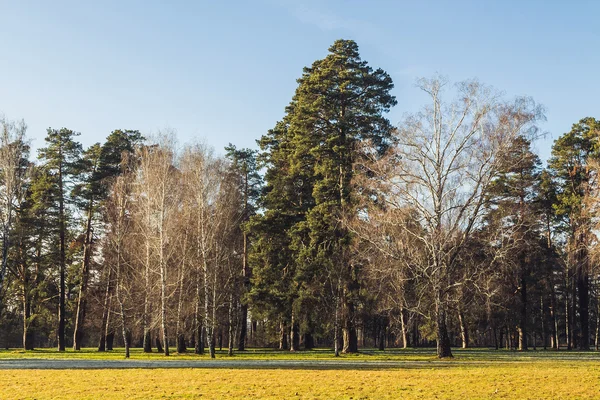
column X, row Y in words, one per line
column 473, row 373
column 522, row 381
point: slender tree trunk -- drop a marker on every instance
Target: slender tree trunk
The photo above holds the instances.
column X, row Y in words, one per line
column 180, row 337
column 230, row 334
column 109, row 331
column 348, row 327
column 294, row 336
column 5, row 247
column 464, row 331
column 163, row 305
column 554, row 318
column 522, row 329
column 583, row 289
column 403, row 328
column 62, row 261
column 336, row 322
column 415, row 334
column 243, row 327
column 163, row 277
column 198, row 331
column 214, row 315
column 208, row 321
column 83, row 276
column 568, row 315
column 244, row 307
column 543, row 321
column 27, row 331
column 382, row 330
column 597, row 341
column 105, row 311
column 159, row 346
column 118, row 295
column 147, row 306
column 495, row 333
column 283, row 345
column 181, row 348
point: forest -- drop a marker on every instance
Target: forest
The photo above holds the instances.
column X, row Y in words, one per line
column 340, row 230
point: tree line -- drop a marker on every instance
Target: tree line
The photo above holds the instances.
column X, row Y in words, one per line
column 342, row 230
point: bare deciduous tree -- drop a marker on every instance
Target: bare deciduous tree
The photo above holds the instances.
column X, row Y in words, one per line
column 444, row 161
column 13, row 150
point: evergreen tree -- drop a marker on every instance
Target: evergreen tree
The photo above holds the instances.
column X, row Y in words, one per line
column 245, row 168
column 513, row 196
column 99, row 165
column 335, row 117
column 571, row 154
column 61, row 159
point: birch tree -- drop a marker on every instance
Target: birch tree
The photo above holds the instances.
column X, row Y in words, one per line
column 445, row 159
column 159, row 185
column 14, row 152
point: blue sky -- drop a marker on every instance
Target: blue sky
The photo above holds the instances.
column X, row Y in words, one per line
column 223, row 71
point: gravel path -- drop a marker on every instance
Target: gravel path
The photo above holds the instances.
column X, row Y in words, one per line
column 66, row 363
column 33, row 363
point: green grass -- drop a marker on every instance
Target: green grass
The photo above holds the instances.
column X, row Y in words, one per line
column 316, row 354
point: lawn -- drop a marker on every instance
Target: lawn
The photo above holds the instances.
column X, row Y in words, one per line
column 410, row 354
column 472, row 374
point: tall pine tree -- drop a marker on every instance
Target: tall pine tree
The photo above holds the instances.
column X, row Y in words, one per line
column 61, row 159
column 335, row 117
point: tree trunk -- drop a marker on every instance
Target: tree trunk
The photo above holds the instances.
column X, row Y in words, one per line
column 198, row 331
column 27, row 329
column 108, row 330
column 209, row 323
column 230, row 335
column 464, row 331
column 568, row 317
column 403, row 328
column 543, row 321
column 246, row 275
column 62, row 289
column 554, row 318
column 583, row 289
column 180, row 338
column 349, row 329
column 597, row 342
column 243, row 327
column 147, row 306
column 110, row 339
column 350, row 338
column 118, row 295
column 294, row 335
column 84, row 275
column 336, row 321
column 382, row 328
column 159, row 347
column 163, row 285
column 105, row 311
column 415, row 334
column 522, row 329
column 283, row 345
column 309, row 341
column 443, row 341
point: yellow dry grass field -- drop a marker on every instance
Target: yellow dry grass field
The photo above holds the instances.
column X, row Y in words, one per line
column 524, row 380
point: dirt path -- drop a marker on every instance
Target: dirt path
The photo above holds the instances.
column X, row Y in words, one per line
column 33, row 363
